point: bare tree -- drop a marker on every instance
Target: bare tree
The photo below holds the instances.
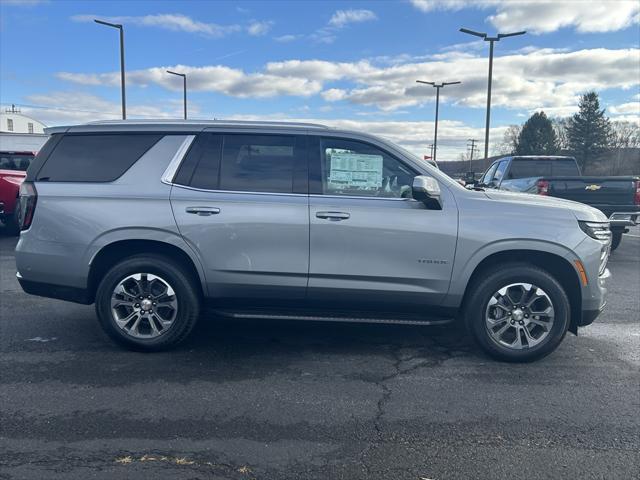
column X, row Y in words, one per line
column 509, row 141
column 560, row 128
column 625, row 135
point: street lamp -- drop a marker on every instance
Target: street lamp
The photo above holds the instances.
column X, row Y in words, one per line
column 184, row 85
column 491, row 41
column 437, row 86
column 119, row 27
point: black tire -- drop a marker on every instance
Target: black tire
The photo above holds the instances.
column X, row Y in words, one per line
column 500, row 276
column 186, row 293
column 616, row 238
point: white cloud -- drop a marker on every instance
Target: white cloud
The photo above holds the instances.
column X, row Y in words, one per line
column 334, row 94
column 342, row 18
column 538, row 80
column 286, row 38
column 59, row 108
column 168, row 21
column 549, row 16
column 431, row 5
column 631, row 108
column 222, row 79
column 22, row 3
column 543, row 16
column 257, row 28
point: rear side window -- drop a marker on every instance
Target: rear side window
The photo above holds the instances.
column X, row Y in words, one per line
column 95, row 158
column 201, row 166
column 258, row 163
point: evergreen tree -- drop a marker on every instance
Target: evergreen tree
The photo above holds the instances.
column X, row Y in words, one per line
column 537, row 137
column 588, row 131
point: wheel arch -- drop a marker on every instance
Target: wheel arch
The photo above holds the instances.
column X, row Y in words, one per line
column 121, row 249
column 557, row 265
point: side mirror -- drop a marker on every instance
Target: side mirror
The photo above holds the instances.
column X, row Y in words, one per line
column 426, row 189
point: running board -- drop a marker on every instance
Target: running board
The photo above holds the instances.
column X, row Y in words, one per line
column 399, row 320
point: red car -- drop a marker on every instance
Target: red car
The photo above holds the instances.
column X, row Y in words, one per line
column 13, row 169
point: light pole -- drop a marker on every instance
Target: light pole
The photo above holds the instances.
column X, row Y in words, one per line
column 184, row 85
column 119, row 27
column 491, row 41
column 437, row 86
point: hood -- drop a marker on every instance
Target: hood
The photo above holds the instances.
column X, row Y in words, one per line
column 580, row 210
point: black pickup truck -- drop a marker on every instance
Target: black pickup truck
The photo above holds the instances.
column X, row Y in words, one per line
column 617, row 197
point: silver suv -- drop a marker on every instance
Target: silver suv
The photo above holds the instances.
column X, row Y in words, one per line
column 155, row 220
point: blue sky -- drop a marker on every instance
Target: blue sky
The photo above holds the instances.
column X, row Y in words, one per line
column 350, row 64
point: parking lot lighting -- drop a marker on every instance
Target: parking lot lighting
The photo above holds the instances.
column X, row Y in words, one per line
column 184, row 85
column 491, row 41
column 437, row 86
column 119, row 27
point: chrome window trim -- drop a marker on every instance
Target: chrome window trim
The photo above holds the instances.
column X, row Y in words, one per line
column 170, row 172
column 359, row 197
column 239, row 192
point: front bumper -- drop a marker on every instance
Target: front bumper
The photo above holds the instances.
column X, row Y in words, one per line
column 623, row 219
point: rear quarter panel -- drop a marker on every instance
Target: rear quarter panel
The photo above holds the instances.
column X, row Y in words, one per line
column 73, row 221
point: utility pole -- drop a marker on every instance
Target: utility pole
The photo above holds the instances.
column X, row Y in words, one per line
column 437, row 86
column 473, row 147
column 431, row 148
column 184, row 89
column 491, row 41
column 119, row 27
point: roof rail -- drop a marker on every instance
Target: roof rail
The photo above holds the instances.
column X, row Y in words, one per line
column 209, row 123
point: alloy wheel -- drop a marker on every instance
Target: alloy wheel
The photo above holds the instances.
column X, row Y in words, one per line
column 144, row 305
column 519, row 316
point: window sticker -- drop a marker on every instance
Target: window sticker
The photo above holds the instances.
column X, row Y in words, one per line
column 355, row 171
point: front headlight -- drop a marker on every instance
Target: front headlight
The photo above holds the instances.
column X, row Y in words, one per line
column 598, row 230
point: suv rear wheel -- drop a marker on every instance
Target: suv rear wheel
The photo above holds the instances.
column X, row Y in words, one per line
column 147, row 302
column 518, row 313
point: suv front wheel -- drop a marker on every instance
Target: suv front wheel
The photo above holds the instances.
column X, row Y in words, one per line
column 518, row 313
column 147, row 302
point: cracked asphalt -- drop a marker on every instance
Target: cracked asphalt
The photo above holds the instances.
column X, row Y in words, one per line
column 286, row 400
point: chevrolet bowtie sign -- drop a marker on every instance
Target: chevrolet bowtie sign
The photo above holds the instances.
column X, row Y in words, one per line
column 593, row 188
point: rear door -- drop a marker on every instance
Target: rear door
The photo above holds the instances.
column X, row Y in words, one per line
column 371, row 243
column 241, row 202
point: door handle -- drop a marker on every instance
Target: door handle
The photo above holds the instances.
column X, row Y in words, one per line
column 334, row 216
column 203, row 211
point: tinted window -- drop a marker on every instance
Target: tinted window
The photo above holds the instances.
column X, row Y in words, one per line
column 489, row 174
column 530, row 168
column 95, row 158
column 564, row 168
column 201, row 166
column 502, row 166
column 15, row 161
column 359, row 169
column 259, row 163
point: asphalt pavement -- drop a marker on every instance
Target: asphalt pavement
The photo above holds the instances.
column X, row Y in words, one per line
column 286, row 400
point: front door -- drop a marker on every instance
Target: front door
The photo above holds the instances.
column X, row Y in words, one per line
column 371, row 243
column 240, row 202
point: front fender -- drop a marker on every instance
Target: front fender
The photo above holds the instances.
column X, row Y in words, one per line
column 465, row 267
